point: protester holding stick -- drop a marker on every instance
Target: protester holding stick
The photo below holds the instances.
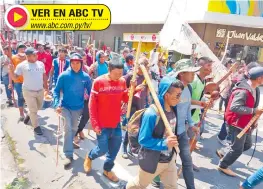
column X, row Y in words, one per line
column 242, row 105
column 72, row 83
column 156, row 154
column 140, row 97
column 185, row 72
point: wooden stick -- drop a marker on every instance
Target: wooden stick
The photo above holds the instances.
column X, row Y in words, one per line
column 250, row 123
column 158, row 104
column 131, row 91
column 60, row 117
column 94, row 52
column 58, row 131
column 11, row 62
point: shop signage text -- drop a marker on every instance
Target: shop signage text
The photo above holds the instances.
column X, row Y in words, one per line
column 236, row 35
column 144, row 37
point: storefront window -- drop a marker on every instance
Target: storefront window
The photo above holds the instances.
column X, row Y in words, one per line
column 34, row 35
column 29, row 35
column 84, row 39
column 48, row 36
column 41, row 36
column 25, row 35
column 246, row 53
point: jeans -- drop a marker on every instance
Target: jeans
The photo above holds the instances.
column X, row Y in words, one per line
column 84, row 117
column 109, row 143
column 237, row 148
column 254, row 179
column 6, row 83
column 70, row 128
column 20, row 98
column 186, row 159
column 223, row 132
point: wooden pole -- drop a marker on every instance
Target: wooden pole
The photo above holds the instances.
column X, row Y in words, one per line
column 131, row 91
column 158, row 104
column 250, row 123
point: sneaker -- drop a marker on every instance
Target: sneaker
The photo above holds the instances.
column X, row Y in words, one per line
column 156, row 184
column 223, row 142
column 227, row 171
column 87, row 164
column 67, row 161
column 38, row 130
column 125, row 155
column 111, row 176
column 26, row 120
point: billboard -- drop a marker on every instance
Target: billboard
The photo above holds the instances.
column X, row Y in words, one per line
column 239, row 7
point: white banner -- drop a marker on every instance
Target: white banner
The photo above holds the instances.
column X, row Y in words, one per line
column 144, row 37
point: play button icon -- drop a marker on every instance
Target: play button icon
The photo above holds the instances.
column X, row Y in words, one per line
column 16, row 17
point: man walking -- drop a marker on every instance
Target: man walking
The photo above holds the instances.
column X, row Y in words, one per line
column 18, row 81
column 242, row 106
column 107, row 94
column 185, row 72
column 59, row 65
column 44, row 57
column 35, row 79
column 5, row 61
column 157, row 156
column 72, row 83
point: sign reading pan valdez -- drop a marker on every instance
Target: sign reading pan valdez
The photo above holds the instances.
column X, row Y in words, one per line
column 58, row 17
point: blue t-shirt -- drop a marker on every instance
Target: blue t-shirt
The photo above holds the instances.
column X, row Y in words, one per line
column 183, row 109
column 102, row 69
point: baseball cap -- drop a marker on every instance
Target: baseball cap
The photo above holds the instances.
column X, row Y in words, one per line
column 252, row 65
column 21, row 45
column 76, row 56
column 30, row 50
column 255, row 72
column 184, row 65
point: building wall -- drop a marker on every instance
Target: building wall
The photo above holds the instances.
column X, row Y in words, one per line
column 208, row 32
column 244, row 7
column 115, row 31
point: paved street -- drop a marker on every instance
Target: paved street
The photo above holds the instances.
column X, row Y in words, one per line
column 39, row 153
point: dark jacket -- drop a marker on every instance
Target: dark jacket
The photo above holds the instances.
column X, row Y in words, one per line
column 241, row 105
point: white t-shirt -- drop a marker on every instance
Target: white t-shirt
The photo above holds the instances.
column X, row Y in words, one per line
column 32, row 74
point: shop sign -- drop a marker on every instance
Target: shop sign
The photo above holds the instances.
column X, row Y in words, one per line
column 221, row 33
column 144, row 37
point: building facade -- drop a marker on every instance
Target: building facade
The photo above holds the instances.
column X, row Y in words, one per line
column 117, row 36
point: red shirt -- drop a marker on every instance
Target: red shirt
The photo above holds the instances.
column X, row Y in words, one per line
column 105, row 102
column 47, row 62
